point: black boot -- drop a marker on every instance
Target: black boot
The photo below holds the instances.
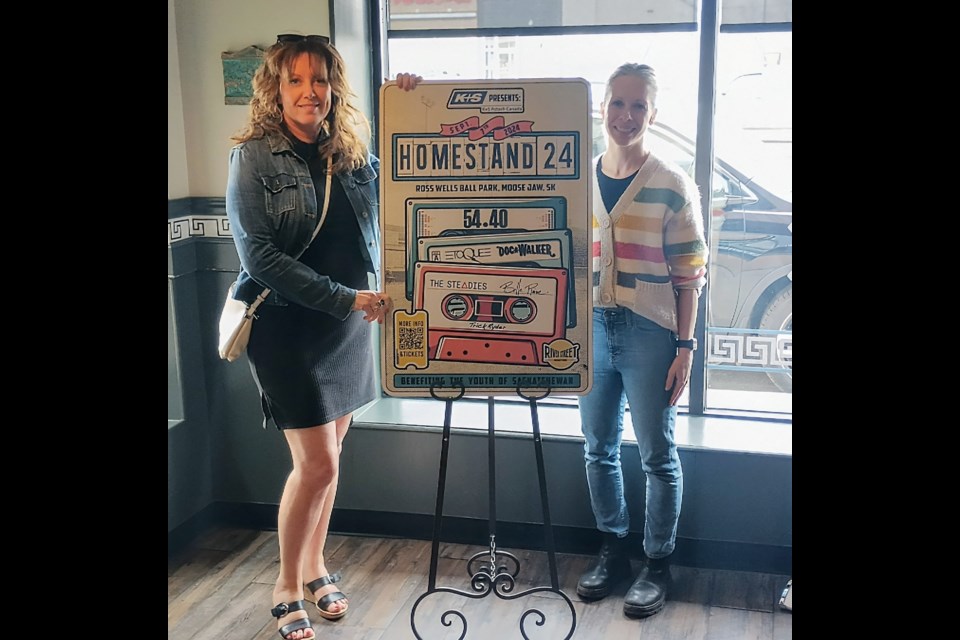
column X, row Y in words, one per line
column 649, row 591
column 611, row 566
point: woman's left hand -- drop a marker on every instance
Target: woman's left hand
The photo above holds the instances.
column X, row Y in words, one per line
column 378, row 309
column 408, row 81
column 679, row 374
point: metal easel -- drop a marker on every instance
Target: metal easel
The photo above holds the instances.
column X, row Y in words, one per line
column 487, row 570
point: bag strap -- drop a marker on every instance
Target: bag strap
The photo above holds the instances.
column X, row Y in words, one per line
column 326, row 202
column 323, row 216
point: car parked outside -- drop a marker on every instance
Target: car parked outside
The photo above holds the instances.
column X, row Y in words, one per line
column 750, row 275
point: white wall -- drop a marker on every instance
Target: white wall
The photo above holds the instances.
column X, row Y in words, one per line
column 199, row 134
column 178, row 183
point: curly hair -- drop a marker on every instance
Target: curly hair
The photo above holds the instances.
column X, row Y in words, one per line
column 347, row 126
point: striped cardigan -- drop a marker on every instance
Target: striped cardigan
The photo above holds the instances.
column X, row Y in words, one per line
column 650, row 244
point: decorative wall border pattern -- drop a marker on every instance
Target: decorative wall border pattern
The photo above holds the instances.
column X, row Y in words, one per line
column 212, row 226
column 771, row 350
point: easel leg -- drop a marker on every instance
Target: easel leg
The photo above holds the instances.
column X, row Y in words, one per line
column 441, row 484
column 547, row 528
column 492, row 474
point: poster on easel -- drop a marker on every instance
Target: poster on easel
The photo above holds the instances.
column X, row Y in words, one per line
column 486, row 232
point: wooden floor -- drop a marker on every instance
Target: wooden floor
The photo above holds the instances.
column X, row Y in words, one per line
column 220, row 589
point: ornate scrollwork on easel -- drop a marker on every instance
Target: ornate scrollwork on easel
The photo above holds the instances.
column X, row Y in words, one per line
column 488, row 570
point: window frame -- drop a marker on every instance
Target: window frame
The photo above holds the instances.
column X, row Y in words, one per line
column 709, row 26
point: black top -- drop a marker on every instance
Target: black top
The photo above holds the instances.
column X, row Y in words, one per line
column 335, row 252
column 612, row 188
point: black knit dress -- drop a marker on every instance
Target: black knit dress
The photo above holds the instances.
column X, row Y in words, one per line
column 310, row 367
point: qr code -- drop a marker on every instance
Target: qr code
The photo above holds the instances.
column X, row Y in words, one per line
column 410, row 338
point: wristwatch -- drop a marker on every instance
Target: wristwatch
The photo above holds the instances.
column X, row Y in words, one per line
column 687, row 344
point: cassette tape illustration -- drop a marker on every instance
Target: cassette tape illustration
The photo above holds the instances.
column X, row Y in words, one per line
column 471, row 217
column 496, row 315
column 545, row 249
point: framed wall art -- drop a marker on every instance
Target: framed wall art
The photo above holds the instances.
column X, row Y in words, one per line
column 238, row 69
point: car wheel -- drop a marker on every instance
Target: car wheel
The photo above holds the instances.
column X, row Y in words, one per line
column 778, row 316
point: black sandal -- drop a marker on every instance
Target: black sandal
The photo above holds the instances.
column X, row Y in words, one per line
column 283, row 609
column 330, row 598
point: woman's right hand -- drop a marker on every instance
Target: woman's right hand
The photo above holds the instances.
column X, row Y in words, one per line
column 375, row 305
column 408, row 81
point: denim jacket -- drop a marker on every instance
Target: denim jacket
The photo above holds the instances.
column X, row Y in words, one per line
column 272, row 206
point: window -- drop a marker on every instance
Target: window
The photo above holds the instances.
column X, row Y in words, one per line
column 751, row 339
column 748, row 337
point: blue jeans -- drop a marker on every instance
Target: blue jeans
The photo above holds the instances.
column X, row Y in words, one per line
column 631, row 357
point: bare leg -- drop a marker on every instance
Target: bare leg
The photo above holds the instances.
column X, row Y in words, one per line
column 313, row 560
column 315, row 454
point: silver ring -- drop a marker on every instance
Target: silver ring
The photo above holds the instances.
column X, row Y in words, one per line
column 380, row 302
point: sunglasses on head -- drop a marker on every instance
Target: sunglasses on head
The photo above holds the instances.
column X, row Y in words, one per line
column 284, row 38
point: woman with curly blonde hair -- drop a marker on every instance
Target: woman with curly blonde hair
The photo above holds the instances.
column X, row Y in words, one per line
column 302, row 201
column 347, row 127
